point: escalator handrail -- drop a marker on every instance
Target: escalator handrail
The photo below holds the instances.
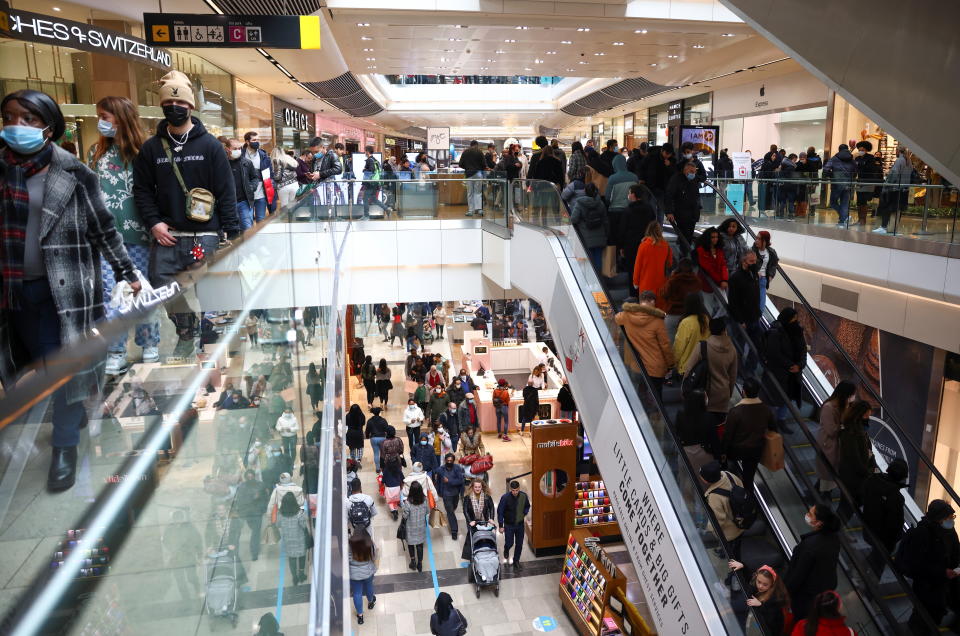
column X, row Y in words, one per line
column 888, row 413
column 804, row 479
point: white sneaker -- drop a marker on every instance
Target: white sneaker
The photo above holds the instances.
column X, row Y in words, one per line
column 116, row 363
column 151, row 354
column 880, row 230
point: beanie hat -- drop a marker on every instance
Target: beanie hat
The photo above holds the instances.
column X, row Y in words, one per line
column 897, row 470
column 176, row 85
column 939, row 510
column 711, row 472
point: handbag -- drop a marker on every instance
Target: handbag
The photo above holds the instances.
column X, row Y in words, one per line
column 271, row 535
column 772, row 456
column 437, row 518
column 402, row 530
column 468, row 460
column 200, row 201
column 482, row 465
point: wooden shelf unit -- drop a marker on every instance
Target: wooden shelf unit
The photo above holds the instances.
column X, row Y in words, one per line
column 586, row 584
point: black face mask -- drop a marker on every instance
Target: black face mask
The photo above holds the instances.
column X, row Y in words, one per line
column 176, row 115
column 449, row 464
column 255, row 145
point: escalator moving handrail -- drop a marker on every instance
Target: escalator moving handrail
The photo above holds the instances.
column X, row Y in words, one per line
column 888, row 413
column 835, row 477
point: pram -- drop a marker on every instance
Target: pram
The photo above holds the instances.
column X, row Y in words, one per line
column 484, row 562
column 221, row 580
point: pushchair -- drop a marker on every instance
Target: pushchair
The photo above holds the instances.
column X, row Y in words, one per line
column 484, row 562
column 221, row 581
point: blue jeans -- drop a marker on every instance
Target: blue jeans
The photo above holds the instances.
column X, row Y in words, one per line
column 503, row 414
column 763, row 294
column 840, row 201
column 454, row 440
column 359, row 589
column 249, row 215
column 146, row 334
column 376, row 443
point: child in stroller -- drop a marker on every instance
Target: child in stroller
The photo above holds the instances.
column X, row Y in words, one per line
column 484, row 562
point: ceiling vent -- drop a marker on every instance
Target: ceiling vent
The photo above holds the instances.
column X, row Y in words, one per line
column 622, row 92
column 345, row 93
column 268, row 7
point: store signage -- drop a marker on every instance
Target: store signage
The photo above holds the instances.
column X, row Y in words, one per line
column 389, row 141
column 233, row 31
column 675, row 111
column 295, row 119
column 704, row 138
column 438, row 138
column 35, row 27
column 555, row 443
column 418, row 145
column 628, row 124
column 785, row 92
column 742, row 165
column 150, row 297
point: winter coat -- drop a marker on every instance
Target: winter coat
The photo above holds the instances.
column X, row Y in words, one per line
column 363, row 570
column 453, row 486
column 293, row 532
column 746, row 428
column 657, row 174
column 772, row 261
column 510, row 166
column 184, row 545
column 424, row 454
column 901, row 172
column 354, row 436
column 856, row 461
column 565, row 399
column 72, row 208
column 376, row 427
column 438, row 405
column 883, row 508
column 576, row 167
column 620, row 177
column 158, row 194
column 531, row 403
column 650, row 267
column 671, row 296
column 252, row 497
column 633, row 226
column 812, row 568
column 688, row 337
column 422, row 478
column 592, row 236
column 416, row 517
column 328, row 165
column 472, row 445
column 279, row 491
column 648, row 334
column 870, row 171
column 720, row 505
column 472, row 162
column 712, row 266
column 722, row 364
column 450, row 420
column 413, row 417
column 463, row 416
column 548, row 169
column 288, row 426
column 841, row 167
column 734, row 247
column 785, row 347
column 682, row 199
column 828, row 439
column 743, row 296
column 489, row 512
column 929, row 554
column 825, row 627
column 456, row 395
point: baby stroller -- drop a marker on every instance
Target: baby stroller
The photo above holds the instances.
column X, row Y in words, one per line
column 484, row 562
column 221, row 580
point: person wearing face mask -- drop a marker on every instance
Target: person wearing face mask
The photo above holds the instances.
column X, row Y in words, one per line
column 786, row 354
column 246, row 180
column 289, row 429
column 454, row 419
column 449, row 481
column 264, row 195
column 457, row 392
column 468, row 416
column 183, row 237
column 688, row 154
column 112, row 159
column 413, row 420
column 813, row 564
column 681, row 202
column 51, row 261
column 744, row 307
column 930, row 554
column 422, row 453
column 855, row 460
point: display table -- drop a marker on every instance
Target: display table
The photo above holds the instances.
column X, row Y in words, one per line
column 452, row 190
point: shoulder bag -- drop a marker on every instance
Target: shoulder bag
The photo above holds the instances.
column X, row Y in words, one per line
column 200, row 201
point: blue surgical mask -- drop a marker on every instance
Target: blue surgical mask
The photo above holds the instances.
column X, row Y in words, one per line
column 106, row 128
column 947, row 525
column 318, row 155
column 23, row 140
column 423, row 442
column 691, row 176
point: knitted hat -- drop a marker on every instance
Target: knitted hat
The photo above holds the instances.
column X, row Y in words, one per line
column 176, row 85
column 711, row 472
column 939, row 510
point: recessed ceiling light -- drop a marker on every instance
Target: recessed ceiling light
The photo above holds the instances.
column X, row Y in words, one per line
column 566, row 42
column 371, row 59
column 460, row 26
column 551, row 52
column 618, row 43
column 641, row 31
column 653, row 63
column 56, row 8
column 368, row 50
column 448, row 50
column 365, row 38
column 600, row 53
column 510, row 41
column 527, row 68
column 699, row 46
column 521, row 28
column 583, row 29
column 363, row 24
column 584, row 62
column 569, row 70
column 500, row 52
column 727, row 35
column 455, row 40
column 484, row 68
column 673, row 56
column 538, row 61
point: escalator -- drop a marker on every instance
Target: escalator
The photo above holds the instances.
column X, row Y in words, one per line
column 838, row 43
column 873, row 605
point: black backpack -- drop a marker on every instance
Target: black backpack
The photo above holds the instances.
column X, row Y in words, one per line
column 359, row 514
column 593, row 218
column 742, row 504
column 699, row 375
column 910, row 553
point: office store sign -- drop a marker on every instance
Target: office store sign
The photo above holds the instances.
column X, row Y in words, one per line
column 34, row 27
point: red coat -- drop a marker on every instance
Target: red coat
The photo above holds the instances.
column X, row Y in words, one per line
column 826, row 627
column 649, row 269
column 713, row 266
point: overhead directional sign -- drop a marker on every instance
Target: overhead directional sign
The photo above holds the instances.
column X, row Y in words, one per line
column 185, row 30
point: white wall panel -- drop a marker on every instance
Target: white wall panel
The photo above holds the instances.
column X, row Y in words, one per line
column 496, row 259
column 922, row 272
column 882, row 308
column 460, row 246
column 935, row 323
column 461, row 282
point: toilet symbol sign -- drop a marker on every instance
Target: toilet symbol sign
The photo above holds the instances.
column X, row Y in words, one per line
column 544, row 623
column 189, row 30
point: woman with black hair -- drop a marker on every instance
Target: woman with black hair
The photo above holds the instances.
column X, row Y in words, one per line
column 828, row 435
column 712, row 261
column 813, row 565
column 382, row 383
column 855, row 459
column 415, row 512
column 294, row 531
column 363, row 567
column 825, row 618
column 368, row 374
column 50, row 262
column 446, row 619
column 355, row 434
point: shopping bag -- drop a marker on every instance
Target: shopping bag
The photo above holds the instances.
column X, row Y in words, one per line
column 814, row 198
column 438, row 519
column 430, row 500
column 380, row 485
column 482, row 465
column 609, row 261
column 772, row 456
column 467, row 460
column 271, row 535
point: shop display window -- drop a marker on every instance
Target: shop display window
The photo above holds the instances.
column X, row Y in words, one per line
column 254, row 113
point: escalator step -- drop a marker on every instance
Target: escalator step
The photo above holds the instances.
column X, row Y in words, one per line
column 890, row 597
column 807, row 445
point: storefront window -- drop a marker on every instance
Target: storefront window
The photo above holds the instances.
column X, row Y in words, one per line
column 254, row 113
column 293, row 126
column 213, row 90
column 697, row 110
column 795, row 130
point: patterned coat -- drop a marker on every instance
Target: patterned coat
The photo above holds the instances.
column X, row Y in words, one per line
column 416, row 517
column 76, row 228
column 293, row 531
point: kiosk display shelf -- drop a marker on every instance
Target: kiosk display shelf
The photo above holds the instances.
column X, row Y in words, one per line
column 592, row 505
column 588, row 581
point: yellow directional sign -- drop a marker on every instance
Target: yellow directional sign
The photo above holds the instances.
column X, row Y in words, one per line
column 160, row 33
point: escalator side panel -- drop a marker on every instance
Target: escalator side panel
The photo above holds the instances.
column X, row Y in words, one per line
column 672, row 581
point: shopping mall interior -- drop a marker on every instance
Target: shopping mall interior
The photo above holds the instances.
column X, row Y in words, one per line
column 592, row 317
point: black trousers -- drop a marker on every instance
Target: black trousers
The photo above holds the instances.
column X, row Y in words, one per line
column 416, row 553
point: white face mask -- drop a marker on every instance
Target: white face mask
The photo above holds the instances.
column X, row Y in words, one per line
column 235, row 154
column 860, row 153
column 810, row 520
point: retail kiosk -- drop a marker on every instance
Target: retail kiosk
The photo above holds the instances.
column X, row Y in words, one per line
column 588, row 582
